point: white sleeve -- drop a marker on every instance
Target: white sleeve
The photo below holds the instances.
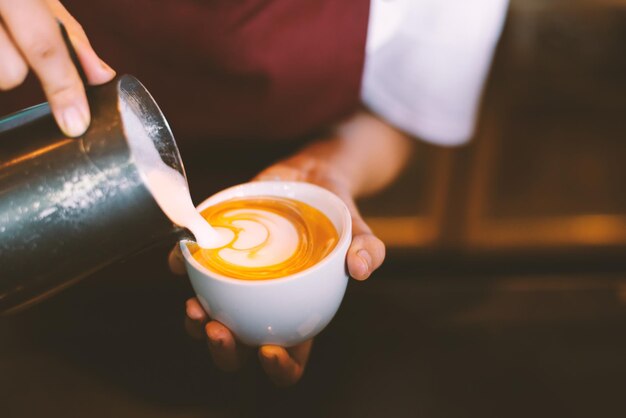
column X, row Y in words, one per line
column 426, row 64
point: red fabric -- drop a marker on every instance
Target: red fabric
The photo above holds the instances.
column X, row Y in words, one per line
column 236, row 69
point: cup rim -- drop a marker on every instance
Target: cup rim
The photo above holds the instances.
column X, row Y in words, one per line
column 346, row 234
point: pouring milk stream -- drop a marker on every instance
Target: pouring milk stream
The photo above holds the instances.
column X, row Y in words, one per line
column 262, row 238
column 168, row 187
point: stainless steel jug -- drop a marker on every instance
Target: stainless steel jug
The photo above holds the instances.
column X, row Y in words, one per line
column 71, row 206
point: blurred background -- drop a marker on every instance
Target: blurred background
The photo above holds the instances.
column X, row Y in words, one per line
column 545, row 170
column 503, row 295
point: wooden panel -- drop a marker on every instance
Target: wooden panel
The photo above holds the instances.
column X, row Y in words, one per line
column 548, row 166
column 410, row 213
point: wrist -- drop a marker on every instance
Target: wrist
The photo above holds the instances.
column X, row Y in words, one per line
column 362, row 156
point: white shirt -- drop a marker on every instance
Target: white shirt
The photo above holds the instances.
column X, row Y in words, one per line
column 426, row 64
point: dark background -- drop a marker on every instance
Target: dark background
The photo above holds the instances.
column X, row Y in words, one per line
column 504, row 293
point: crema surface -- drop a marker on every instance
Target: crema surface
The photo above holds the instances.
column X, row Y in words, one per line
column 266, row 238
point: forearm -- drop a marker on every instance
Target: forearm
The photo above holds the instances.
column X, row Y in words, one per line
column 365, row 151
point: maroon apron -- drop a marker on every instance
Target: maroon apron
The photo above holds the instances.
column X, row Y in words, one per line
column 227, row 70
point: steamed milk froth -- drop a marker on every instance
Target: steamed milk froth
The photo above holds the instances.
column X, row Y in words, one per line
column 167, row 186
column 262, row 239
column 271, row 237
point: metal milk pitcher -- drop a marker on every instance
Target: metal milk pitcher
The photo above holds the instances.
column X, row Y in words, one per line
column 71, row 206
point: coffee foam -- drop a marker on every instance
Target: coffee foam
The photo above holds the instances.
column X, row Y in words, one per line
column 263, row 239
column 271, row 237
column 168, row 186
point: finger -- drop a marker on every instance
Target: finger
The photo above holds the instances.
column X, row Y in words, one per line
column 194, row 329
column 195, row 311
column 96, row 70
column 176, row 261
column 227, row 354
column 37, row 35
column 280, row 172
column 195, row 319
column 13, row 68
column 283, row 366
column 365, row 255
column 366, row 252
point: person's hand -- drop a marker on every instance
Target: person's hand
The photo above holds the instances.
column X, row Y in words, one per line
column 30, row 37
column 367, row 252
column 363, row 155
column 285, row 366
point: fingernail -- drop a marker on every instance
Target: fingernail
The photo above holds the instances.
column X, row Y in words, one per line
column 270, row 356
column 365, row 256
column 74, row 122
column 107, row 68
column 194, row 313
column 214, row 336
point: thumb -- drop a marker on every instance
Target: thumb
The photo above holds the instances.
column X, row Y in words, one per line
column 367, row 251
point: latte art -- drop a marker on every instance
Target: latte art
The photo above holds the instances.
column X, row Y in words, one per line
column 265, row 238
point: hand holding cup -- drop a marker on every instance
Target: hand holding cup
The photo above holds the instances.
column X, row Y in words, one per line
column 365, row 253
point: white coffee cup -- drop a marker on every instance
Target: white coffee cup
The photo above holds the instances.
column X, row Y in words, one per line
column 283, row 311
